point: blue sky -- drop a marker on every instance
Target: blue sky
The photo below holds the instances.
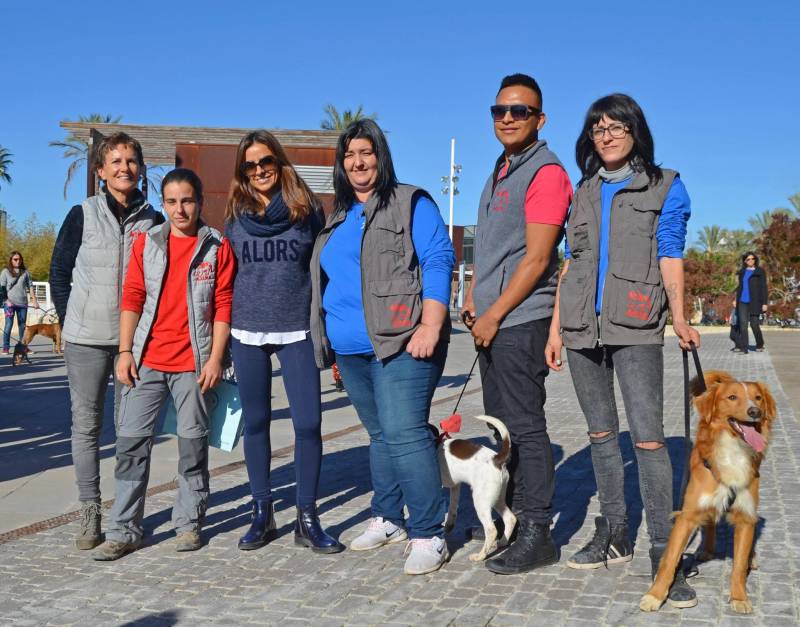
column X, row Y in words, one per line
column 717, row 81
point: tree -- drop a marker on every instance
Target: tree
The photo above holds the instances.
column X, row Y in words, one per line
column 77, row 148
column 761, row 221
column 35, row 241
column 738, row 241
column 336, row 122
column 5, row 165
column 711, row 239
column 779, row 250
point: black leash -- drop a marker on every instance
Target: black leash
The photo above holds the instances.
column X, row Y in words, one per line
column 464, row 387
column 687, row 411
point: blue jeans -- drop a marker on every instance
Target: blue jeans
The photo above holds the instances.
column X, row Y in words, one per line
column 393, row 400
column 21, row 313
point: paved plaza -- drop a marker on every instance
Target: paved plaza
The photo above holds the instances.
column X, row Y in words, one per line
column 44, row 580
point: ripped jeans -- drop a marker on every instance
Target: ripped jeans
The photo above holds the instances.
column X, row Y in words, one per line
column 640, row 370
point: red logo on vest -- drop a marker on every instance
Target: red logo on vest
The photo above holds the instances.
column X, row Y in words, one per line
column 134, row 235
column 502, row 200
column 204, row 272
column 401, row 316
column 639, row 306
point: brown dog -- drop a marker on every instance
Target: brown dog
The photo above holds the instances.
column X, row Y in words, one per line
column 51, row 330
column 734, row 425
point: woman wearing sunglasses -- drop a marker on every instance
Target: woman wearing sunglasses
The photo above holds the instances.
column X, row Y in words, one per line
column 15, row 286
column 381, row 286
column 751, row 301
column 272, row 219
column 623, row 273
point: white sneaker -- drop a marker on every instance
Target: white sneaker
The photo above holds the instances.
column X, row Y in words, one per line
column 427, row 555
column 378, row 533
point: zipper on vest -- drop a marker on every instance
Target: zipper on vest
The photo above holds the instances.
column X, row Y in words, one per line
column 364, row 300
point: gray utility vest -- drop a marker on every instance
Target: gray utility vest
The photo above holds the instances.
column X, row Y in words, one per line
column 500, row 242
column 200, row 284
column 100, row 267
column 391, row 283
column 634, row 305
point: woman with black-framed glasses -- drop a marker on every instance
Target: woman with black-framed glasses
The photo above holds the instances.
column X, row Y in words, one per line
column 272, row 219
column 751, row 302
column 623, row 274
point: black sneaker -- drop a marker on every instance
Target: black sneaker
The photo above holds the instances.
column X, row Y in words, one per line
column 609, row 545
column 533, row 548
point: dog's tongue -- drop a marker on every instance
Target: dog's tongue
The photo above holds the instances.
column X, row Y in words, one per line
column 752, row 437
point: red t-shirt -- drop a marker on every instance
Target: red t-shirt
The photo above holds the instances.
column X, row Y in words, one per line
column 548, row 197
column 169, row 347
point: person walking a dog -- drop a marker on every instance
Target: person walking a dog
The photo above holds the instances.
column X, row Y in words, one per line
column 751, row 301
column 381, row 273
column 87, row 269
column 174, row 328
column 15, row 286
column 622, row 275
column 520, row 222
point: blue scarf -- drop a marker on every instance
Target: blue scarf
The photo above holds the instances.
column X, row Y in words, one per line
column 274, row 221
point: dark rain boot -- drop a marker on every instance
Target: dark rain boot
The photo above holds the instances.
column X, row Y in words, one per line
column 681, row 594
column 308, row 532
column 262, row 529
column 533, row 548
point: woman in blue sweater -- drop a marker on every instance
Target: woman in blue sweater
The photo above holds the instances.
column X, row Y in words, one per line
column 272, row 219
column 381, row 271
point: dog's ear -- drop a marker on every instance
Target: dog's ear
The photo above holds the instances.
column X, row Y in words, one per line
column 712, row 378
column 706, row 402
column 770, row 408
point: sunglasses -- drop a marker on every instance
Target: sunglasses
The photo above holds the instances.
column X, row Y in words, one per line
column 249, row 168
column 518, row 112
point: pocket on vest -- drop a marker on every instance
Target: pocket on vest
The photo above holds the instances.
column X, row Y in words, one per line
column 389, row 238
column 573, row 298
column 636, row 300
column 397, row 305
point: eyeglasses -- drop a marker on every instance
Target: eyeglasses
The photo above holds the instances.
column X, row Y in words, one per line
column 750, row 259
column 518, row 112
column 249, row 168
column 616, row 131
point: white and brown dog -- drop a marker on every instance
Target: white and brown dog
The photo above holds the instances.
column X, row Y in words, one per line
column 484, row 470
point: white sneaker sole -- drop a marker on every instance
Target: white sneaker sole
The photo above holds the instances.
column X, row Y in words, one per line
column 393, row 540
column 615, row 560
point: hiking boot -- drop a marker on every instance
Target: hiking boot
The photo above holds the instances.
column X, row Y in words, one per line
column 609, row 545
column 89, row 535
column 534, row 548
column 188, row 541
column 378, row 533
column 111, row 550
column 681, row 594
column 425, row 555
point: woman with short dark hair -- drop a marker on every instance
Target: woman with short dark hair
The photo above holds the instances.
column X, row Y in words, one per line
column 16, row 285
column 751, row 301
column 381, row 286
column 623, row 273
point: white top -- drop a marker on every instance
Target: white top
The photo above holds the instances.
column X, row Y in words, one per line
column 255, row 338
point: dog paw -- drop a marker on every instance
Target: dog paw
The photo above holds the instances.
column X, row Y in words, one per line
column 649, row 603
column 742, row 607
column 477, row 557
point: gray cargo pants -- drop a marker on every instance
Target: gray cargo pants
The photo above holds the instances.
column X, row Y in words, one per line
column 139, row 410
column 88, row 370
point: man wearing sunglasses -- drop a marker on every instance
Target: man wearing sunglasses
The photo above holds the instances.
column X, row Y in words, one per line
column 509, row 305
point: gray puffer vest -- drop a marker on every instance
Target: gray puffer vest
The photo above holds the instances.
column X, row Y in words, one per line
column 93, row 306
column 634, row 305
column 391, row 283
column 200, row 285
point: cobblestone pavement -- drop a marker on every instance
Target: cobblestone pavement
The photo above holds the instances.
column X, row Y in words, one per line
column 43, row 580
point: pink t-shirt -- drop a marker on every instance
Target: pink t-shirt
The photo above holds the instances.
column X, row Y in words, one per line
column 548, row 197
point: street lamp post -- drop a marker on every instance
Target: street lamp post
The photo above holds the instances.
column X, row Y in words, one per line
column 451, row 183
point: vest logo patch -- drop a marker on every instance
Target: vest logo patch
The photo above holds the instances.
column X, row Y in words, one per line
column 135, row 234
column 401, row 316
column 639, row 305
column 501, row 200
column 203, row 272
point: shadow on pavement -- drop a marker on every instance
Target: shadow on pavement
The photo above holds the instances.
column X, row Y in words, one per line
column 167, row 617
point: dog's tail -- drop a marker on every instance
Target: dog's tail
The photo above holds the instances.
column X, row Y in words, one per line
column 712, row 377
column 505, row 448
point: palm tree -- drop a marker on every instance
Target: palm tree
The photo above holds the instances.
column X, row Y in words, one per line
column 336, row 122
column 77, row 148
column 795, row 200
column 738, row 240
column 711, row 238
column 5, row 165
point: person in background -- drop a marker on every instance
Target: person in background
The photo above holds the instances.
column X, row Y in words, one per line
column 87, row 270
column 520, row 222
column 751, row 302
column 623, row 272
column 272, row 219
column 15, row 285
column 174, row 327
column 381, row 285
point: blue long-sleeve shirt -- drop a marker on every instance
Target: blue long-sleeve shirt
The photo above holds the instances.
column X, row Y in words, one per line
column 670, row 234
column 341, row 261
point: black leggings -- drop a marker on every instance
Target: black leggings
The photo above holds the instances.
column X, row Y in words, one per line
column 746, row 315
